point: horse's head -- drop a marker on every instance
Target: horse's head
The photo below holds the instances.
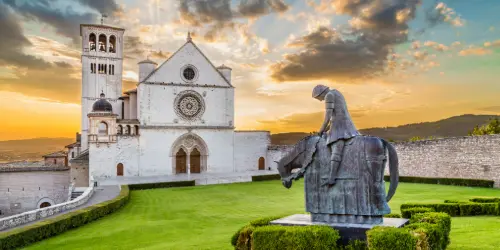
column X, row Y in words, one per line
column 294, row 158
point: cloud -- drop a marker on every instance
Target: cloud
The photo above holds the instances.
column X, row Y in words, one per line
column 59, row 82
column 13, row 43
column 218, row 15
column 356, row 52
column 66, row 21
column 108, row 7
column 475, row 52
column 135, row 48
column 160, row 54
column 495, row 109
column 493, row 44
column 441, row 13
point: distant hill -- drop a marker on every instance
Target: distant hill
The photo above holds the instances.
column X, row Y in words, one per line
column 450, row 127
column 31, row 149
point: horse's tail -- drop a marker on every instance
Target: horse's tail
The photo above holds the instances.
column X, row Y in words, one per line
column 393, row 169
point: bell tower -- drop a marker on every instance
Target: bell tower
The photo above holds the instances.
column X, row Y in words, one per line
column 102, row 63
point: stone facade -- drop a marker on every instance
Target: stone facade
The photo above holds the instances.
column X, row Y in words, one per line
column 471, row 157
column 250, row 150
column 24, row 189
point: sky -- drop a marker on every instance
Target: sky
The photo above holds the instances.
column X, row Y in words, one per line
column 395, row 61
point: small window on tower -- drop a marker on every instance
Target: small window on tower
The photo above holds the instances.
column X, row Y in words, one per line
column 103, row 128
column 92, row 68
column 102, row 43
column 92, row 40
column 112, row 44
column 105, row 68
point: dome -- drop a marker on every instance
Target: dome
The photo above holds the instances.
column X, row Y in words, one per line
column 102, row 105
column 147, row 61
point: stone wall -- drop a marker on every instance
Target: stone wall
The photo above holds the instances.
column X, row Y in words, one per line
column 23, row 189
column 249, row 147
column 472, row 157
column 37, row 214
column 55, row 161
column 275, row 153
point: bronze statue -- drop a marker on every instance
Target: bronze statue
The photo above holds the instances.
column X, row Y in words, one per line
column 344, row 170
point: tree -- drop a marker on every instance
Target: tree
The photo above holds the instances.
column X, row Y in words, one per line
column 493, row 127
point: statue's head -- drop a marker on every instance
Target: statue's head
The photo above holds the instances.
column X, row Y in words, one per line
column 320, row 91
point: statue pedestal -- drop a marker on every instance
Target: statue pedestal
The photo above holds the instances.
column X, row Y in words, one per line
column 347, row 231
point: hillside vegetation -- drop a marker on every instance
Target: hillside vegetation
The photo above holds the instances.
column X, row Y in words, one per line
column 450, row 127
column 31, row 149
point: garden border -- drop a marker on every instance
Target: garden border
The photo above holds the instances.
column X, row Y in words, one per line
column 44, row 229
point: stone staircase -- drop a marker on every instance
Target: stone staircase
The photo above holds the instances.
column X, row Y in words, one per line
column 77, row 192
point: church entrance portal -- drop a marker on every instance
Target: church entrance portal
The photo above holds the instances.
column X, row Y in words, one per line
column 180, row 162
column 189, row 153
column 195, row 161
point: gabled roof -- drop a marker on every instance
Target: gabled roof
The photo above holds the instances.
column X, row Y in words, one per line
column 72, row 145
column 199, row 50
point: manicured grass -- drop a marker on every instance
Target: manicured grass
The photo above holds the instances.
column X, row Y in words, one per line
column 205, row 217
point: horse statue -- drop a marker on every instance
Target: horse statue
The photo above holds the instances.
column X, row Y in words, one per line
column 358, row 195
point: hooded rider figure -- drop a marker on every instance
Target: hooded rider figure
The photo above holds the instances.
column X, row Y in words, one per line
column 339, row 121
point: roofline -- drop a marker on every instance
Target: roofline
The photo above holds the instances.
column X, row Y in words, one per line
column 203, row 54
column 99, row 26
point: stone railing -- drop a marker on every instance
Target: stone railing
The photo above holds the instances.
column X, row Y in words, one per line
column 37, row 214
column 70, row 190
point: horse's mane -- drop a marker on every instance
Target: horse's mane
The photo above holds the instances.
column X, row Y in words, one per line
column 297, row 149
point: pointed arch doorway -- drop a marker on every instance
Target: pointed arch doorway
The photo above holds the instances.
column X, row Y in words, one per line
column 181, row 162
column 189, row 153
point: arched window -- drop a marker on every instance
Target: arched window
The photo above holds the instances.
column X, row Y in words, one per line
column 112, row 44
column 45, row 204
column 119, row 169
column 136, row 129
column 120, row 130
column 102, row 43
column 92, row 40
column 73, row 154
column 55, row 161
column 103, row 128
column 129, row 130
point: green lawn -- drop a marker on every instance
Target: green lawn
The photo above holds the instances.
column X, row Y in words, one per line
column 205, row 217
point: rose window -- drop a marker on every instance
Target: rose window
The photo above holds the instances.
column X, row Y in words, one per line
column 189, row 105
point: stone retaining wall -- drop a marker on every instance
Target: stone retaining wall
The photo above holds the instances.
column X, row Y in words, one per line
column 469, row 157
column 37, row 214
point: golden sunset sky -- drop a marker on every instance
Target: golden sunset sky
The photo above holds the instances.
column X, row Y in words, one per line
column 396, row 61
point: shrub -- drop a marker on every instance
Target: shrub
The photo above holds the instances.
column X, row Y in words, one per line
column 472, row 209
column 47, row 228
column 161, row 185
column 451, row 201
column 242, row 237
column 408, row 212
column 294, row 237
column 392, row 216
column 268, row 177
column 390, row 238
column 439, row 239
column 453, row 209
column 445, row 181
column 485, row 199
column 356, row 245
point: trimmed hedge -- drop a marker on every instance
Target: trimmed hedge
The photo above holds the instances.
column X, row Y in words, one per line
column 426, row 231
column 392, row 216
column 445, row 181
column 269, row 177
column 277, row 237
column 409, row 212
column 485, row 199
column 457, row 209
column 242, row 238
column 161, row 185
column 50, row 227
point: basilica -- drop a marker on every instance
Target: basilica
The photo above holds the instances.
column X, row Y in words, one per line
column 179, row 120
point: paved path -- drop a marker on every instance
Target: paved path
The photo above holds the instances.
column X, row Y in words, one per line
column 200, row 179
column 101, row 194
